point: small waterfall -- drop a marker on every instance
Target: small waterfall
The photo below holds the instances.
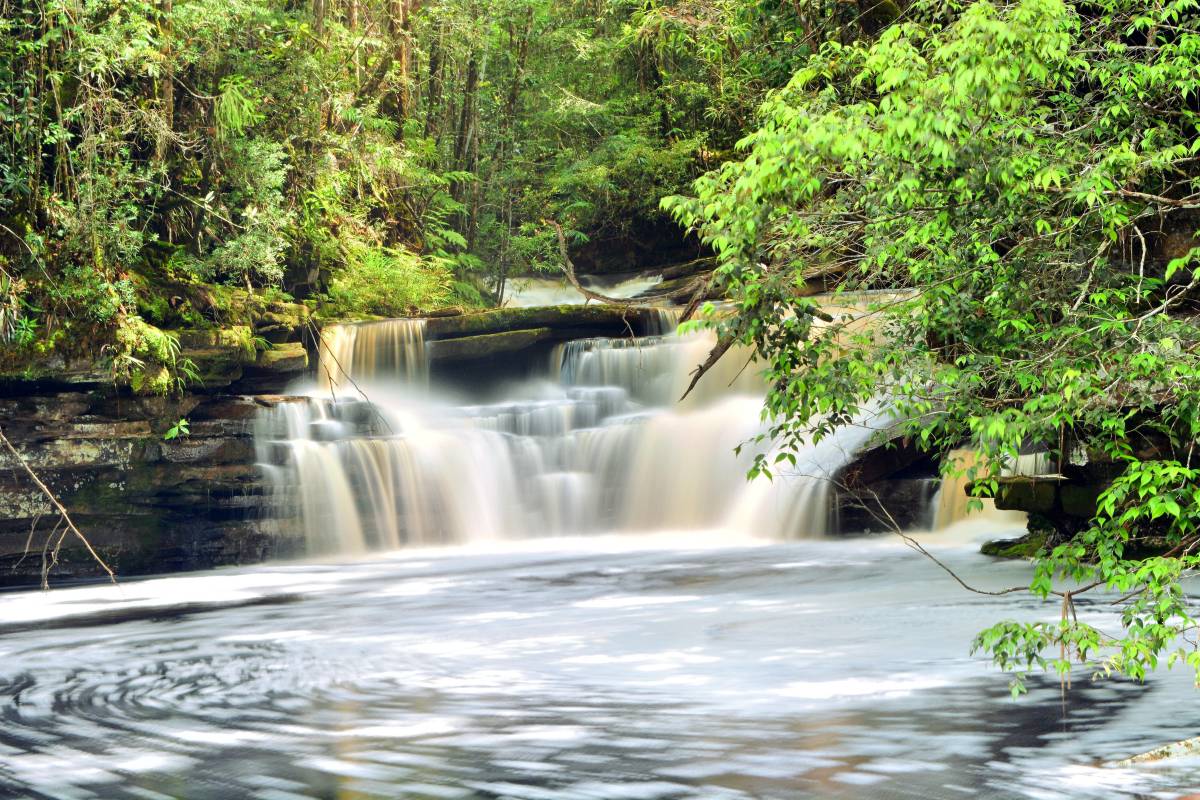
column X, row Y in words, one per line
column 951, row 501
column 656, row 369
column 599, row 444
column 365, row 351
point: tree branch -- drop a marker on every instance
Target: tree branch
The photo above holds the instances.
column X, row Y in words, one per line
column 57, row 505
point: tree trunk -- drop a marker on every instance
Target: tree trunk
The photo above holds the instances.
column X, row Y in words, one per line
column 318, row 13
column 434, row 97
column 400, row 30
column 520, row 56
column 166, row 83
column 352, row 25
column 465, row 116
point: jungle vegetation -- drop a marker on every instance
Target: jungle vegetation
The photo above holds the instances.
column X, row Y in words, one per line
column 1022, row 178
column 178, row 163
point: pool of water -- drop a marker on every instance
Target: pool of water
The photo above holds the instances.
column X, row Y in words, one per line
column 606, row 667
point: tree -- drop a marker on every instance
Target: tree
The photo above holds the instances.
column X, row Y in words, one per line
column 1012, row 174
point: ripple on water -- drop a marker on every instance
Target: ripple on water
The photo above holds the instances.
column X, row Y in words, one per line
column 585, row 675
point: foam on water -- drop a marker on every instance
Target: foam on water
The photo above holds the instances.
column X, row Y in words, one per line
column 592, row 666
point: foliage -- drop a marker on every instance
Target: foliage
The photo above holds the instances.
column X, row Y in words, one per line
column 181, row 428
column 1019, row 177
column 388, row 282
column 147, row 359
column 155, row 149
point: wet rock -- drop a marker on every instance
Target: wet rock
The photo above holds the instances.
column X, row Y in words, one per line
column 884, row 505
column 1023, row 493
column 466, row 348
column 1025, row 546
column 146, row 504
column 1079, row 500
column 563, row 319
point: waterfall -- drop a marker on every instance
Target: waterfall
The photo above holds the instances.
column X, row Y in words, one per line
column 599, row 443
column 950, row 503
column 365, row 351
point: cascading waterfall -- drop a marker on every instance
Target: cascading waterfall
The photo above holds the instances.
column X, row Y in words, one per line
column 598, row 444
column 390, row 348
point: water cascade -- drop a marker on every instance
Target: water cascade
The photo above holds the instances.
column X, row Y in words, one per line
column 390, row 348
column 597, row 444
column 952, row 504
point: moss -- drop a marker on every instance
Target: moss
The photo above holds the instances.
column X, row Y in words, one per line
column 472, row 347
column 283, row 358
column 150, row 380
column 237, row 338
column 155, row 308
column 615, row 319
column 216, row 366
column 144, row 341
column 1025, row 546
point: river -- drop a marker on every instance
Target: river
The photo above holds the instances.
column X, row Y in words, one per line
column 605, row 667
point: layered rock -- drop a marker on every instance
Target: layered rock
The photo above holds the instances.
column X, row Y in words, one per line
column 147, row 504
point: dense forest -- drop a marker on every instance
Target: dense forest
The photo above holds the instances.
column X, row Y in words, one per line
column 1017, row 181
column 168, row 164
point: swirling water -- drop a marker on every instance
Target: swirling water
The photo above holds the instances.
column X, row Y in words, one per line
column 673, row 666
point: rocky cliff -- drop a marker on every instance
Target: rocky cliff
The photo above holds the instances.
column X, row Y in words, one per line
column 146, row 503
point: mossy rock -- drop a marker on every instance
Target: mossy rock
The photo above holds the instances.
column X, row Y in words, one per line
column 151, row 380
column 283, row 358
column 466, row 348
column 638, row 320
column 234, row 337
column 216, row 367
column 1025, row 546
column 292, row 316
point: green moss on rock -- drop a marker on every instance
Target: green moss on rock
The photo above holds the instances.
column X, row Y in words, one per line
column 283, row 358
column 467, row 348
column 1025, row 546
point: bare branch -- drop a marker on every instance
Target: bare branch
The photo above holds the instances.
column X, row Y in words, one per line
column 61, row 510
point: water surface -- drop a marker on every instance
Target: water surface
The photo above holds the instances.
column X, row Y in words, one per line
column 653, row 666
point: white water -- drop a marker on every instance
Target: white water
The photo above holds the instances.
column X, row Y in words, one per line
column 526, row 292
column 597, row 443
column 702, row 663
column 393, row 348
column 695, row 666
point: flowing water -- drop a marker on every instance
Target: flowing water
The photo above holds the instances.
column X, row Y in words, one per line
column 610, row 613
column 526, row 292
column 595, row 441
column 694, row 666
